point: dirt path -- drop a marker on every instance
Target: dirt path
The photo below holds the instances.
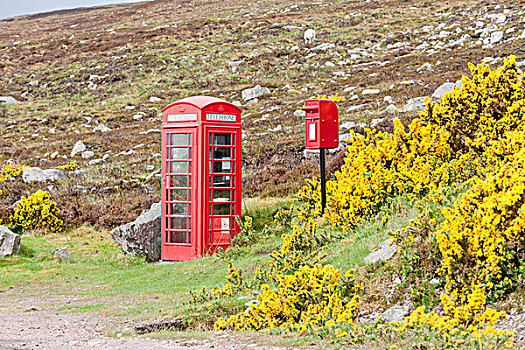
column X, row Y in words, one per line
column 31, row 320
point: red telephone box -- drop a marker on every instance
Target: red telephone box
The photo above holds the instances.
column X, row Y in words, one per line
column 201, row 177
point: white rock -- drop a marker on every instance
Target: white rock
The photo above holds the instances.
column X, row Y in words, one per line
column 34, row 174
column 498, row 18
column 413, row 104
column 387, row 99
column 96, row 161
column 102, row 128
column 79, row 147
column 370, row 91
column 9, row 242
column 154, row 99
column 88, row 154
column 54, row 155
column 427, row 66
column 324, row 46
column 299, row 113
column 496, row 37
column 441, row 90
column 8, row 100
column 250, row 94
column 391, row 109
column 329, row 64
column 277, row 128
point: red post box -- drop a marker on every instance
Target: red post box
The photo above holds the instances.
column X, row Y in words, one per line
column 201, row 177
column 322, row 124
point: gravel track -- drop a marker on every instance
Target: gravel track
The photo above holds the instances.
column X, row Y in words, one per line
column 33, row 320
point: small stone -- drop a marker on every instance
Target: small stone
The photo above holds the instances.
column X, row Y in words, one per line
column 397, row 313
column 96, row 161
column 413, row 104
column 63, row 253
column 299, row 113
column 102, row 128
column 78, row 148
column 384, row 252
column 154, row 99
column 427, row 67
column 391, row 109
column 370, row 91
column 496, row 37
column 234, row 65
column 250, row 94
column 324, row 46
column 88, row 154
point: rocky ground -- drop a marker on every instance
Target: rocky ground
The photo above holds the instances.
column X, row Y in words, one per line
column 32, row 320
column 101, row 76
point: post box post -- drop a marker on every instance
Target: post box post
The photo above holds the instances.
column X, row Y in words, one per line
column 322, row 132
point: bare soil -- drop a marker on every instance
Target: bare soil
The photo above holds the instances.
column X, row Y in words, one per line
column 36, row 320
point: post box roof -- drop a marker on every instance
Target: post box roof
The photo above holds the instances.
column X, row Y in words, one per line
column 201, row 102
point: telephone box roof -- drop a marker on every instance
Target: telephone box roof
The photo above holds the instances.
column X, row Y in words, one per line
column 201, row 102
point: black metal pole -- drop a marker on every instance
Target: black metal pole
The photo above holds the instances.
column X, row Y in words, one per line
column 323, row 186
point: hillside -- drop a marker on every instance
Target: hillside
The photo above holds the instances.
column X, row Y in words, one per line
column 117, row 66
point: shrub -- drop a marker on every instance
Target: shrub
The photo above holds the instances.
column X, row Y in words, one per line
column 35, row 211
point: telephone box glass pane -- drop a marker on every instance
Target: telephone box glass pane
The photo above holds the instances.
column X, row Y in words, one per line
column 222, row 181
column 179, row 209
column 178, row 237
column 179, row 223
column 221, row 209
column 179, row 139
column 179, row 181
column 179, row 195
column 179, row 168
column 222, row 153
column 222, row 195
column 179, row 153
column 222, row 139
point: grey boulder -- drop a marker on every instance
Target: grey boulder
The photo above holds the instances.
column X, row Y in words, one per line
column 34, row 174
column 250, row 94
column 414, row 104
column 9, row 242
column 141, row 236
column 8, row 100
column 441, row 90
column 384, row 252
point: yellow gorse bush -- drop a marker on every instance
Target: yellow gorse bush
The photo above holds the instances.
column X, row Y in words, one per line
column 72, row 165
column 10, row 170
column 35, row 211
column 464, row 156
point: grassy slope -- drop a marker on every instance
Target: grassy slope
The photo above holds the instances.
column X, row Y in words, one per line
column 77, row 69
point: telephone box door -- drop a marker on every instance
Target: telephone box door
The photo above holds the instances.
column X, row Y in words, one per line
column 178, row 191
column 224, row 186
